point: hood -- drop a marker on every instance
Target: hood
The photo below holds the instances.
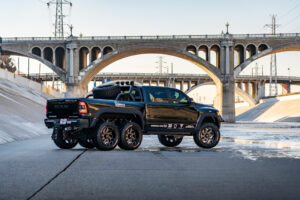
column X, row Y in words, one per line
column 205, row 107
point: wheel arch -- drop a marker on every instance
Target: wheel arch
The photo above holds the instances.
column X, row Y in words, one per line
column 208, row 118
column 137, row 115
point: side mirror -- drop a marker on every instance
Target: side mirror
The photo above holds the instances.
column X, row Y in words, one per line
column 190, row 101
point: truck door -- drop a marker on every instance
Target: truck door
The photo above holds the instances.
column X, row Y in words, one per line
column 182, row 111
column 158, row 108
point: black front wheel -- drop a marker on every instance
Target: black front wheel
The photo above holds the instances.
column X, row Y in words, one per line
column 208, row 136
column 107, row 136
column 62, row 139
column 170, row 140
column 131, row 136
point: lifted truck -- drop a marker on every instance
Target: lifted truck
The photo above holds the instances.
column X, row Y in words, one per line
column 122, row 113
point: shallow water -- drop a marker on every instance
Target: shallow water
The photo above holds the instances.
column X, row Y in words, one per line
column 248, row 140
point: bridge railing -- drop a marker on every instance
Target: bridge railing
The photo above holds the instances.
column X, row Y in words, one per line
column 174, row 75
column 153, row 37
column 22, row 39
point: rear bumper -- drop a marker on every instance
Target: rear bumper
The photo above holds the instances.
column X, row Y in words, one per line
column 78, row 123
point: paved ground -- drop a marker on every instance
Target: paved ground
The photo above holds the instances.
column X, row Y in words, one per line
column 253, row 161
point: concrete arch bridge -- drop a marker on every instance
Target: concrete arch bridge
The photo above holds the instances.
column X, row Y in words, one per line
column 76, row 60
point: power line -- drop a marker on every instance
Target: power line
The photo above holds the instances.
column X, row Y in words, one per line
column 290, row 21
column 289, row 11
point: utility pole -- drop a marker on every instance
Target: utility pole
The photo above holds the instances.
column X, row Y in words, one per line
column 59, row 16
column 273, row 91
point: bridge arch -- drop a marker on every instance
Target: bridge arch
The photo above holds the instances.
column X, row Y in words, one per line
column 101, row 63
column 61, row 73
column 215, row 51
column 262, row 47
column 295, row 46
column 237, row 91
column 239, row 52
column 48, row 54
column 95, row 53
column 191, row 49
column 36, row 51
column 60, row 54
column 251, row 50
column 203, row 52
column 83, row 57
column 107, row 49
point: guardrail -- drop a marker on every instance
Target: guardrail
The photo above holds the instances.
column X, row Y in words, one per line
column 174, row 75
column 154, row 37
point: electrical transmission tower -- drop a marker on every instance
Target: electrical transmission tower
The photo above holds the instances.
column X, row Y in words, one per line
column 273, row 65
column 161, row 66
column 59, row 16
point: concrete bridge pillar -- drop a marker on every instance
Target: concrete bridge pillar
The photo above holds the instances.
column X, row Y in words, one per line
column 70, row 62
column 239, row 85
column 75, row 90
column 181, row 85
column 261, row 91
column 189, row 84
column 247, row 88
column 254, row 89
column 227, row 84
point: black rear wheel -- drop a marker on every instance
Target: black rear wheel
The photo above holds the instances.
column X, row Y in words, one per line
column 107, row 136
column 208, row 136
column 62, row 139
column 170, row 140
column 88, row 143
column 131, row 136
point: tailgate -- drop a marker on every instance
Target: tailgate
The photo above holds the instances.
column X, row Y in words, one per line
column 62, row 108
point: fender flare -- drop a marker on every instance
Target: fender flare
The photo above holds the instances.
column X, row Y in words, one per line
column 102, row 111
column 206, row 115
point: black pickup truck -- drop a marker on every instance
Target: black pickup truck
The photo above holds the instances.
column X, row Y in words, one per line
column 121, row 113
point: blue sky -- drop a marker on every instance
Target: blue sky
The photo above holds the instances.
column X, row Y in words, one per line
column 135, row 17
column 139, row 17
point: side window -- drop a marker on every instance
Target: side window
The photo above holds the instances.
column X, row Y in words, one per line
column 178, row 97
column 158, row 95
column 136, row 94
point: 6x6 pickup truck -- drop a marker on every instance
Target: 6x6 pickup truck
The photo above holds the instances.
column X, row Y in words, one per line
column 121, row 113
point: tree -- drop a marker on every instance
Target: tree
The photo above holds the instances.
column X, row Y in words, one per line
column 7, row 63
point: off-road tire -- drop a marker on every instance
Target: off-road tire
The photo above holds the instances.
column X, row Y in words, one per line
column 208, row 136
column 62, row 140
column 107, row 136
column 131, row 136
column 106, row 92
column 170, row 140
column 88, row 143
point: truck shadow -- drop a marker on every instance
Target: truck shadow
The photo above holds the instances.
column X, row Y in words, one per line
column 150, row 149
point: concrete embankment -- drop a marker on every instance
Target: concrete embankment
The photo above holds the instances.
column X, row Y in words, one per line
column 280, row 109
column 22, row 108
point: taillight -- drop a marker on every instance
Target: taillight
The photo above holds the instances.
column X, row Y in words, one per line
column 47, row 107
column 82, row 107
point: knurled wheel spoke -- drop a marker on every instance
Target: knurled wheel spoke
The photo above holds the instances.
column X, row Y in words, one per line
column 107, row 136
column 131, row 136
column 206, row 135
